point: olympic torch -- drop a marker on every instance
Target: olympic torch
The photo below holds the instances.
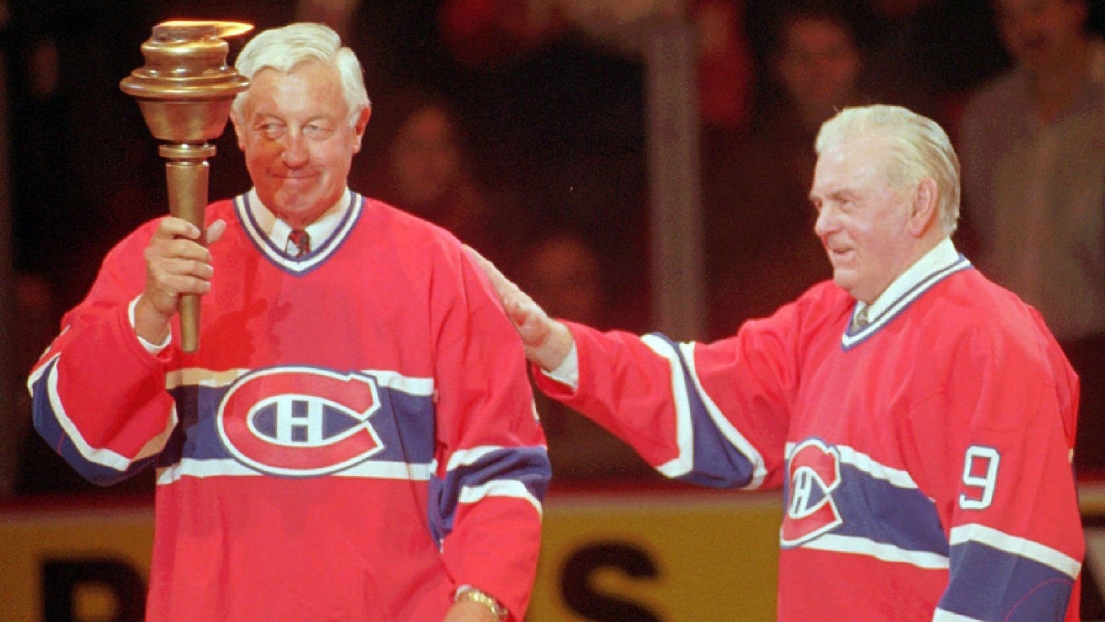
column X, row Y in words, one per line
column 184, row 92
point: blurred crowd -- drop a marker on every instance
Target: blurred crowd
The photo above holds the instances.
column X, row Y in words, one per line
column 519, row 125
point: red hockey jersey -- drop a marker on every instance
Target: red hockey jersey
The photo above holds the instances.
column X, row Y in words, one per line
column 925, row 459
column 354, row 439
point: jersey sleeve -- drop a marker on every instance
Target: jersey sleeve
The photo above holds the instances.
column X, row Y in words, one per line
column 492, row 460
column 98, row 397
column 711, row 414
column 1010, row 504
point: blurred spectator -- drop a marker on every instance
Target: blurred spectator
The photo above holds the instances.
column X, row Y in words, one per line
column 562, row 273
column 557, row 89
column 726, row 73
column 68, row 124
column 814, row 62
column 428, row 170
column 1033, row 153
column 560, row 116
column 760, row 251
column 484, row 32
column 926, row 54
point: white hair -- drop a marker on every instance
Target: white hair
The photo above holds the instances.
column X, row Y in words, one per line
column 284, row 48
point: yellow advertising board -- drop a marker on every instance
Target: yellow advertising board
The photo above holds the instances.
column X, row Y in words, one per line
column 658, row 556
column 86, row 564
column 669, row 556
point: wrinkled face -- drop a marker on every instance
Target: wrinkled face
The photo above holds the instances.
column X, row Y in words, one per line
column 297, row 139
column 425, row 160
column 1040, row 33
column 862, row 219
column 818, row 65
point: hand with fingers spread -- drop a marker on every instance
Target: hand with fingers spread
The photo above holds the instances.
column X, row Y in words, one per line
column 547, row 341
column 176, row 263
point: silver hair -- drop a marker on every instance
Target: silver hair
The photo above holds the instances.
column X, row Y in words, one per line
column 918, row 149
column 284, row 48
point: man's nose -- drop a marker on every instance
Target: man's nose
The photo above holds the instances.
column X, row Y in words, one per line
column 295, row 151
column 826, row 220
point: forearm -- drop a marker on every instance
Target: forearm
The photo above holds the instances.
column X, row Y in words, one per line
column 652, row 393
column 148, row 323
column 621, row 384
column 98, row 397
column 495, row 549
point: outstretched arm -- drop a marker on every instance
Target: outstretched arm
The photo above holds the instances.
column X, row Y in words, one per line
column 547, row 341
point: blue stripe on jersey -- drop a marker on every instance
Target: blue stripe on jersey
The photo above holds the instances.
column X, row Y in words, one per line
column 528, row 466
column 47, row 423
column 874, row 508
column 840, row 499
column 403, row 424
column 987, row 583
column 715, row 461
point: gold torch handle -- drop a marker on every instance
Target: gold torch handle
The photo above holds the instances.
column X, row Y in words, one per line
column 185, row 91
column 187, row 174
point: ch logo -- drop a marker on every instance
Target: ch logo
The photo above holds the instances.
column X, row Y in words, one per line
column 300, row 421
column 814, row 474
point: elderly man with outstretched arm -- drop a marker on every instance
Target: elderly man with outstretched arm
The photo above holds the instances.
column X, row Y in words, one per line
column 919, row 419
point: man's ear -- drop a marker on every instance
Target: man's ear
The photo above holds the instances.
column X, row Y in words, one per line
column 360, row 125
column 923, row 211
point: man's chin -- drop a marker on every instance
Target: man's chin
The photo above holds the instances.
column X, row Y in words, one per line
column 292, row 200
column 844, row 280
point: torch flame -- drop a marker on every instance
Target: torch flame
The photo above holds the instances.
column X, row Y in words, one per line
column 222, row 29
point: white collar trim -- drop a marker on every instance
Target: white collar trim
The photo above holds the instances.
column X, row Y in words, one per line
column 270, row 234
column 929, row 270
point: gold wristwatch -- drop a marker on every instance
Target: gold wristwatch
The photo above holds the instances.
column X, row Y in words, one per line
column 472, row 594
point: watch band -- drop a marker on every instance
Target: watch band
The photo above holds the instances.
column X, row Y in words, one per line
column 487, row 600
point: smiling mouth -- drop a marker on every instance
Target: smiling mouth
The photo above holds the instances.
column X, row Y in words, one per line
column 295, row 178
column 840, row 254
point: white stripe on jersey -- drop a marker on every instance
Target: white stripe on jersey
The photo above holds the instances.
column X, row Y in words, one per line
column 407, row 384
column 947, row 616
column 895, row 477
column 191, row 467
column 197, row 376
column 684, row 435
column 974, row 532
column 878, row 550
column 499, row 488
column 468, row 457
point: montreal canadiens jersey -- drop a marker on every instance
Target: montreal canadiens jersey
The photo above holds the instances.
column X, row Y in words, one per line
column 925, row 459
column 354, row 439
